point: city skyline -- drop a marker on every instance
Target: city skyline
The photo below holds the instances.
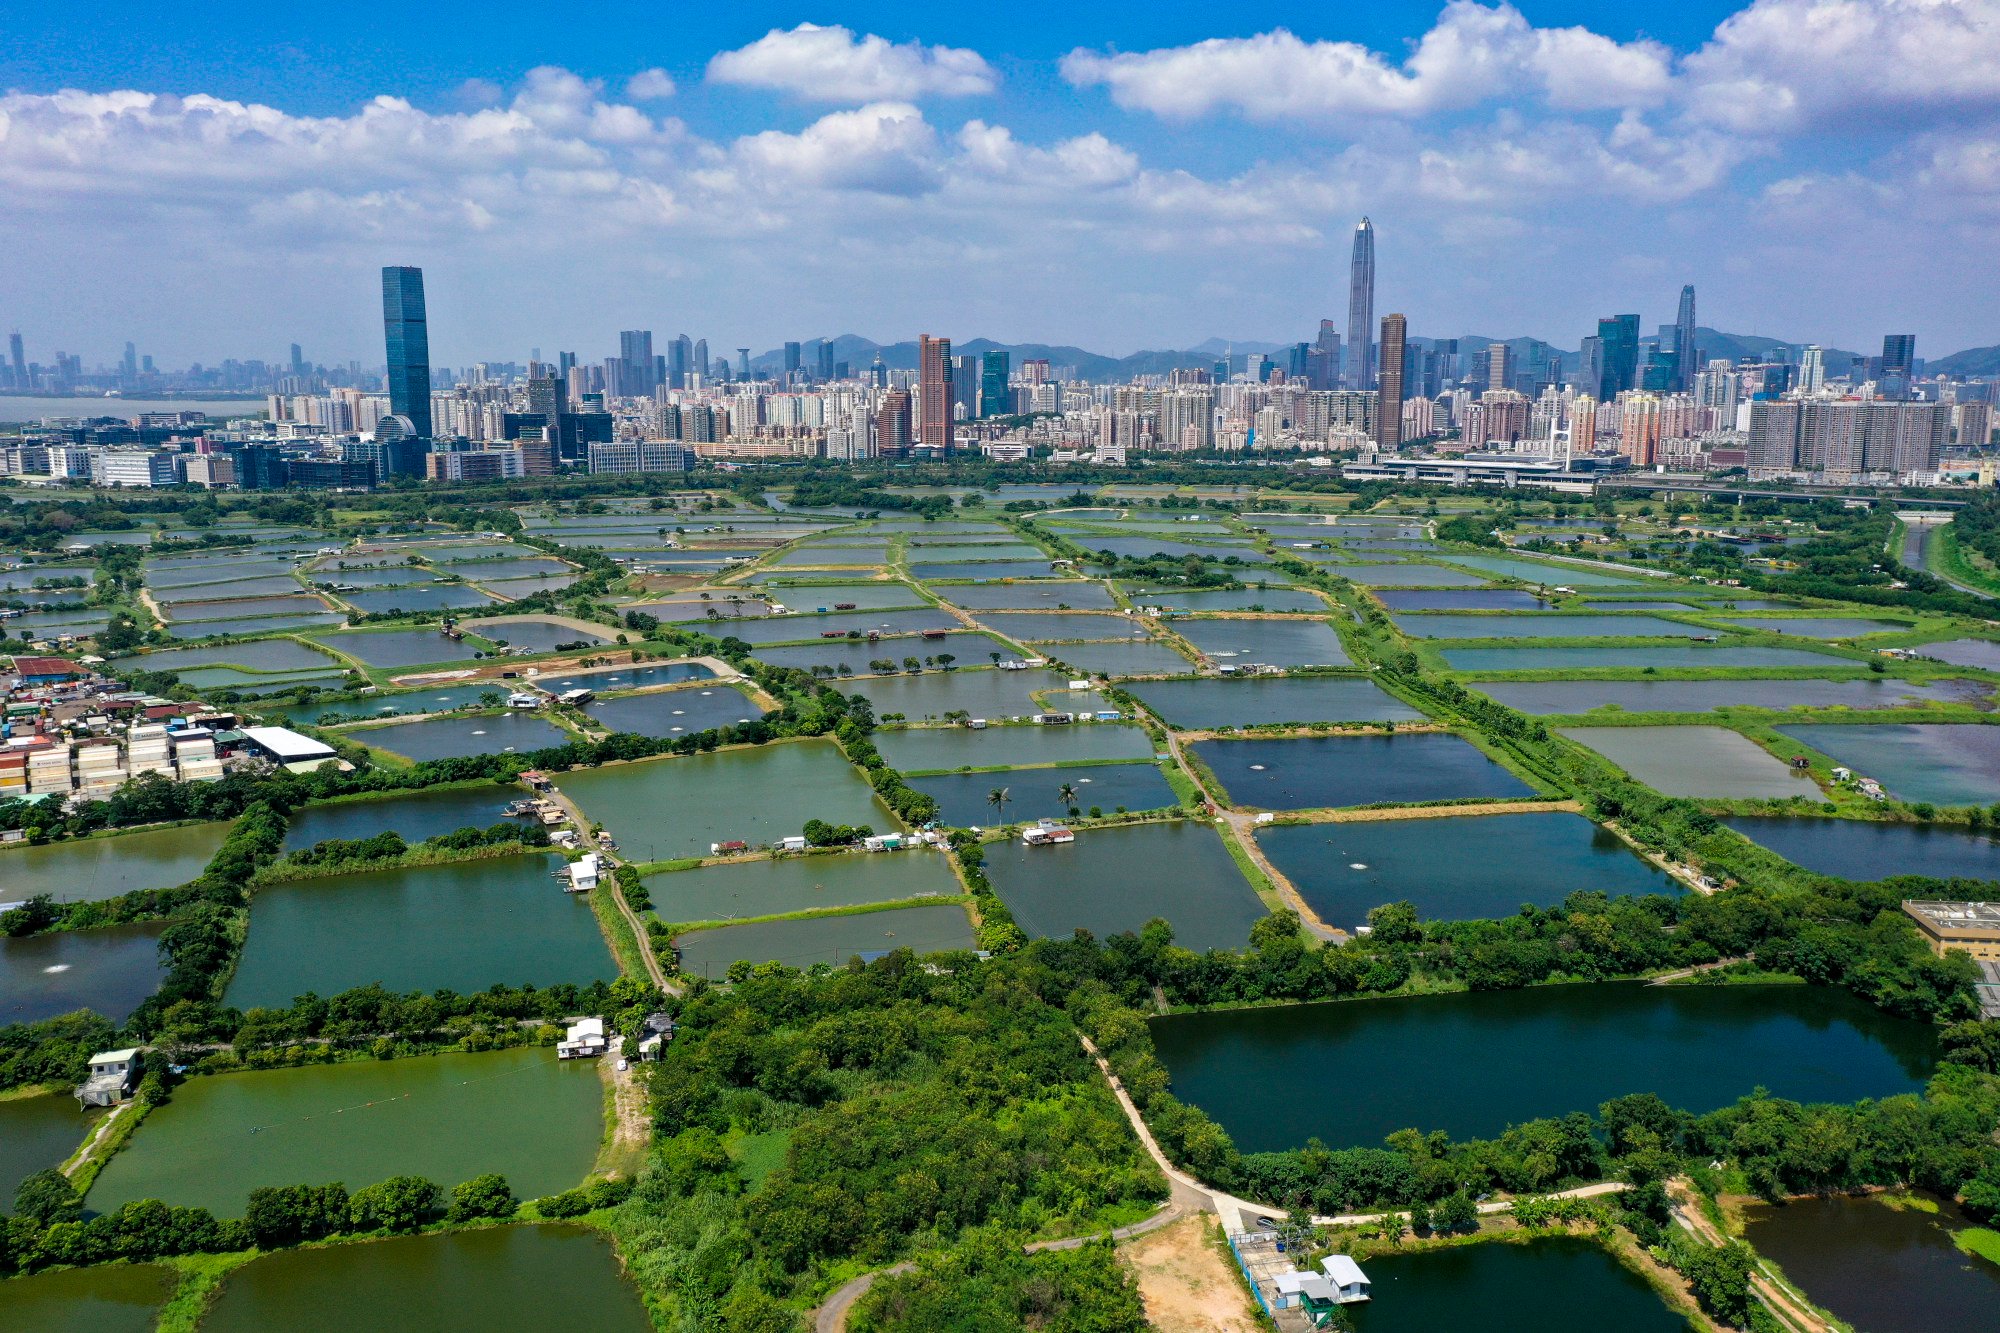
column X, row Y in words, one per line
column 1538, row 165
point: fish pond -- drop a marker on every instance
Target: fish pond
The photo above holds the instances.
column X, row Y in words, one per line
column 256, row 655
column 1821, row 627
column 1866, row 850
column 623, row 678
column 537, row 636
column 1056, row 627
column 1446, row 625
column 439, row 699
column 397, row 647
column 447, row 1117
column 1530, row 571
column 37, row 1133
column 1150, row 658
column 1117, row 879
column 1406, row 576
column 1560, row 1284
column 1887, row 1265
column 944, row 749
column 458, row 736
column 1696, row 761
column 1033, row 793
column 1465, row 599
column 416, row 815
column 826, row 596
column 110, row 970
column 1555, row 698
column 983, row 693
column 1662, row 656
column 795, row 629
column 785, row 884
column 511, row 1279
column 665, row 809
column 1314, row 772
column 1285, row 643
column 1475, row 1062
column 429, row 597
column 93, row 869
column 803, row 941
column 980, row 569
column 1943, row 763
column 1251, row 701
column 464, row 926
column 1454, row 869
column 1983, row 654
column 856, row 654
column 1049, row 594
column 110, row 1298
column 1228, row 599
column 666, row 713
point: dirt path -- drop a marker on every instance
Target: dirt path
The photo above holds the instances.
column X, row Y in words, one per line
column 631, row 1128
column 581, row 821
column 1186, row 1285
column 1787, row 1308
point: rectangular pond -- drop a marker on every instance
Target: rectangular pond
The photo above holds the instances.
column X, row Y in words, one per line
column 457, row 736
column 1285, row 643
column 1056, row 627
column 1553, row 698
column 111, row 970
column 274, row 655
column 980, row 569
column 944, row 749
column 1983, row 654
column 202, row 629
column 1505, row 625
column 430, row 597
column 462, row 926
column 1463, row 599
column 667, row 713
column 536, row 635
column 447, row 1117
column 1036, row 793
column 779, row 885
column 1149, row 658
column 826, row 596
column 795, row 629
column 1197, row 705
column 1314, row 772
column 833, row 940
column 622, row 678
column 93, row 869
column 1663, row 656
column 1405, row 576
column 511, row 590
column 856, row 654
column 415, row 815
column 1049, row 594
column 1473, row 1063
column 1454, row 869
column 1866, row 850
column 1820, row 627
column 983, row 693
column 248, row 608
column 1561, row 1284
column 37, row 1133
column 511, row 1279
column 109, row 1298
column 1228, row 599
column 665, row 809
column 1532, row 571
column 397, row 647
column 390, row 703
column 1696, row 761
column 1944, row 763
column 1117, row 879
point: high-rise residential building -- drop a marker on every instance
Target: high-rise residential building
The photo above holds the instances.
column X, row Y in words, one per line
column 934, row 385
column 1361, row 308
column 1684, row 349
column 407, row 334
column 1812, row 369
column 1618, row 355
column 892, row 424
column 996, row 397
column 1582, row 424
column 1389, row 414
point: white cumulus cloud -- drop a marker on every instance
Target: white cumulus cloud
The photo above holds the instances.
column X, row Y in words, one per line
column 832, row 64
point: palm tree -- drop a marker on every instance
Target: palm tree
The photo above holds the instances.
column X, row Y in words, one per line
column 998, row 798
column 1066, row 794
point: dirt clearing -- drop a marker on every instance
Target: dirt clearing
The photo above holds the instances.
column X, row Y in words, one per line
column 1186, row 1283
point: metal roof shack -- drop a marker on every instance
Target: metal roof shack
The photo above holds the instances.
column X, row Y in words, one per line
column 46, row 670
column 286, row 748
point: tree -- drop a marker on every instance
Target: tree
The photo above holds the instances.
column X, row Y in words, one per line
column 46, row 1198
column 1066, row 794
column 287, row 1214
column 400, row 1203
column 998, row 799
column 1455, row 1215
column 481, row 1196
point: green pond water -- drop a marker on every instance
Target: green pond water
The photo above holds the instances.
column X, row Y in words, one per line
column 1821, row 627
column 1558, row 1285
column 797, row 884
column 448, row 1118
column 1117, row 879
column 664, row 809
column 1473, row 1063
column 1506, row 625
column 825, row 939
column 111, row 1298
column 110, row 970
column 463, row 926
column 1864, row 850
column 1035, row 793
column 981, row 693
column 1120, row 659
column 1942, row 763
column 1454, row 869
column 1314, row 772
column 1285, row 643
column 456, row 737
column 37, row 1133
column 1882, row 1269
column 1260, row 700
column 202, row 629
column 943, row 749
column 93, row 869
column 1696, row 761
column 1548, row 698
column 1693, row 657
column 514, row 1279
column 669, row 713
column 1047, row 594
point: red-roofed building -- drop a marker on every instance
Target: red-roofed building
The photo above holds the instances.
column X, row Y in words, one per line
column 47, row 670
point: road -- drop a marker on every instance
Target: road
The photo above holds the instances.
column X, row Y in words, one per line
column 582, row 822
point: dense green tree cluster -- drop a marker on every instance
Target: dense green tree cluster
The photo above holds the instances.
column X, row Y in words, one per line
column 986, row 1282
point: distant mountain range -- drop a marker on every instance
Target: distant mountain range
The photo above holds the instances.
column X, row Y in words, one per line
column 1713, row 344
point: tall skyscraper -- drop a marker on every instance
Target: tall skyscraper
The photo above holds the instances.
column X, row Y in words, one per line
column 1684, row 349
column 635, row 363
column 996, row 399
column 701, row 357
column 792, row 353
column 1323, row 361
column 1812, row 369
column 1361, row 308
column 17, row 355
column 298, row 360
column 1618, row 355
column 934, row 370
column 1899, row 363
column 407, row 333
column 1499, row 365
column 1389, row 414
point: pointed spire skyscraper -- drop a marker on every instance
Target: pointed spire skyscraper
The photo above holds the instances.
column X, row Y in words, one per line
column 1684, row 349
column 1361, row 309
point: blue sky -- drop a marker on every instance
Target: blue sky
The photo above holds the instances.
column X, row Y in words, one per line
column 218, row 180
